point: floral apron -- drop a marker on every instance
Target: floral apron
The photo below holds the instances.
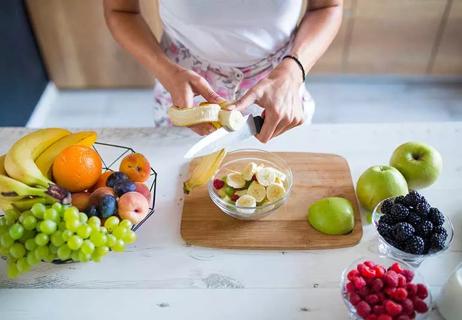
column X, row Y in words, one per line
column 229, row 82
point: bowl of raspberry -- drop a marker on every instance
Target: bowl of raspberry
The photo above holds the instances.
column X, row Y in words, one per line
column 383, row 288
column 410, row 229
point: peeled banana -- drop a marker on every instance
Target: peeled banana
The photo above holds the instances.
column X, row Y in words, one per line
column 204, row 170
column 20, row 159
column 45, row 160
column 213, row 113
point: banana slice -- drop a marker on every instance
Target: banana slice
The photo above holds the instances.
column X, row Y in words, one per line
column 257, row 191
column 265, row 176
column 235, row 180
column 280, row 175
column 240, row 193
column 246, row 204
column 249, row 170
column 274, row 192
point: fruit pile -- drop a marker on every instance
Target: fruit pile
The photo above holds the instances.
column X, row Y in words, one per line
column 255, row 185
column 51, row 232
column 410, row 224
column 378, row 293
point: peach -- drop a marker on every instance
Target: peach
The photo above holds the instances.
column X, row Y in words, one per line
column 99, row 193
column 133, row 206
column 81, row 200
column 144, row 190
column 101, row 182
column 136, row 167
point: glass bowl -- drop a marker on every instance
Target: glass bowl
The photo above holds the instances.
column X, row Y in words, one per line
column 239, row 159
column 386, row 262
column 414, row 260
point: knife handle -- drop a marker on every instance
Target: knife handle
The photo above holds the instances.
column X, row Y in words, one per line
column 258, row 123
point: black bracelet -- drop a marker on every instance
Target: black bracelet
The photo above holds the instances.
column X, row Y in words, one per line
column 298, row 62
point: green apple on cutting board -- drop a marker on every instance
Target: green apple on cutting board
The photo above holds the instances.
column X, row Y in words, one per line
column 332, row 215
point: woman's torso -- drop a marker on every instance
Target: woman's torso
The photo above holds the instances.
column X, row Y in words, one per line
column 231, row 32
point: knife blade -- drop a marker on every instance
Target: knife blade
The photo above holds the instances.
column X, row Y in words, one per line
column 223, row 137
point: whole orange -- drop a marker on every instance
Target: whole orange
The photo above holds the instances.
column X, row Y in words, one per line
column 77, row 168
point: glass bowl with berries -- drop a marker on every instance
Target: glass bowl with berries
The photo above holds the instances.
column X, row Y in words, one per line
column 384, row 288
column 251, row 185
column 410, row 229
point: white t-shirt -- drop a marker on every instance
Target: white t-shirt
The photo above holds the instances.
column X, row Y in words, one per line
column 231, row 32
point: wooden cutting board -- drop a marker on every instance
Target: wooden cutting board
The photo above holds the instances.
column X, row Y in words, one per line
column 315, row 176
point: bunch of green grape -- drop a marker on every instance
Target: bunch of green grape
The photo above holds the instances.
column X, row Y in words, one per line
column 57, row 232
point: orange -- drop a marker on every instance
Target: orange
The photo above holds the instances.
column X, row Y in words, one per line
column 101, row 182
column 77, row 168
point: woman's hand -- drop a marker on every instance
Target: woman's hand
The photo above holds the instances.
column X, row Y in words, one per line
column 279, row 95
column 183, row 85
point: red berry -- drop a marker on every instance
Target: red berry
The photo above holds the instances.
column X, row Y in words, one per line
column 396, row 267
column 401, row 280
column 413, row 315
column 350, row 287
column 379, row 271
column 365, row 271
column 390, row 291
column 391, row 279
column 359, row 283
column 234, row 197
column 371, row 317
column 422, row 291
column 411, row 289
column 370, row 264
column 378, row 309
column 376, row 285
column 254, row 178
column 363, row 309
column 420, row 306
column 363, row 292
column 381, row 296
column 403, row 317
column 392, row 308
column 384, row 317
column 352, row 274
column 354, row 298
column 408, row 306
column 408, row 274
column 372, row 299
column 218, row 184
column 400, row 294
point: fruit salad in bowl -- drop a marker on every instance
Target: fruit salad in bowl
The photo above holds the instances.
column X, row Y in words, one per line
column 251, row 185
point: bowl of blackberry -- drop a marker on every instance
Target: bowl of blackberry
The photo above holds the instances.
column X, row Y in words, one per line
column 410, row 229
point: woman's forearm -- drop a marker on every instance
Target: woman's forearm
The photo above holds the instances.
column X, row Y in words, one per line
column 131, row 31
column 317, row 30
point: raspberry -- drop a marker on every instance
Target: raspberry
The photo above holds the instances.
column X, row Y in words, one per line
column 378, row 309
column 403, row 317
column 254, row 177
column 359, row 283
column 424, row 229
column 372, row 299
column 218, row 184
column 396, row 267
column 384, row 317
column 400, row 294
column 436, row 217
column 415, row 245
column 401, row 281
column 371, row 317
column 381, row 296
column 366, row 271
column 391, row 279
column 422, row 291
column 422, row 209
column 392, row 308
column 363, row 309
column 379, row 271
column 234, row 197
column 399, row 212
column 354, row 298
column 386, row 206
column 408, row 306
column 411, row 289
column 370, row 264
column 408, row 274
column 420, row 306
column 363, row 292
column 350, row 287
column 376, row 285
column 352, row 274
column 403, row 231
column 390, row 292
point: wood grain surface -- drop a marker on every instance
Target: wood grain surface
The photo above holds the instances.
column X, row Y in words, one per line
column 315, row 176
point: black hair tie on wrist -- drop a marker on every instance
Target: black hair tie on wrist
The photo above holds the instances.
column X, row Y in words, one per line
column 298, row 62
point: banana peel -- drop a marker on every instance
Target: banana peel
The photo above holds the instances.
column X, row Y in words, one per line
column 203, row 169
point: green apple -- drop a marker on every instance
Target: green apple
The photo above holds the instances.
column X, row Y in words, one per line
column 419, row 163
column 333, row 215
column 378, row 183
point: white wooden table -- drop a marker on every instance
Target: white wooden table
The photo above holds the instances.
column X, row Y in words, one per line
column 160, row 277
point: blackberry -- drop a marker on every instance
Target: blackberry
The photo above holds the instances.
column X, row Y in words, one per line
column 400, row 200
column 424, row 229
column 415, row 245
column 386, row 206
column 385, row 230
column 413, row 219
column 387, row 219
column 402, row 231
column 441, row 230
column 427, row 246
column 437, row 241
column 435, row 216
column 399, row 212
column 413, row 198
column 422, row 209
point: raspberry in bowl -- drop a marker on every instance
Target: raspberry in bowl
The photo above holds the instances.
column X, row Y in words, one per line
column 381, row 288
column 410, row 229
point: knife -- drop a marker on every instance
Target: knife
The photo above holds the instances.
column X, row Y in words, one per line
column 223, row 137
